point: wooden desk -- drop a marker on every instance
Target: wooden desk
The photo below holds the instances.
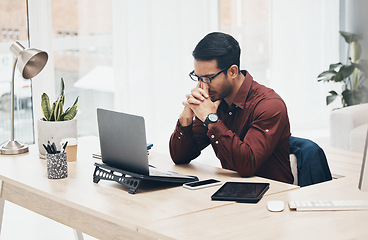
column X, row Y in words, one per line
column 343, row 162
column 106, row 210
column 248, row 221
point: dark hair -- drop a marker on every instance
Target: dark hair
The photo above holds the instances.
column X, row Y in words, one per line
column 220, row 46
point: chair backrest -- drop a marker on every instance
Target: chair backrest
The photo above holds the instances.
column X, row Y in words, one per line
column 294, row 168
column 312, row 165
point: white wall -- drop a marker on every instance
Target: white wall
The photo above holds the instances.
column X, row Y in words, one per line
column 304, row 41
column 153, row 43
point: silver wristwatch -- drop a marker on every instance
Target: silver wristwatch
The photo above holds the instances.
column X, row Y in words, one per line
column 211, row 118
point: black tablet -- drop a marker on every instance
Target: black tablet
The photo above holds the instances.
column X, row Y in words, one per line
column 247, row 192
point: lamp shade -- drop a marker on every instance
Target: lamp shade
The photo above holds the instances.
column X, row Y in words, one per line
column 30, row 61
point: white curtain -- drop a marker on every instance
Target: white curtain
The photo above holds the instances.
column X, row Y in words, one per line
column 152, row 46
column 153, row 42
column 304, row 41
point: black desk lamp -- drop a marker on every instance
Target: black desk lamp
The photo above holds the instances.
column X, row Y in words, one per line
column 30, row 62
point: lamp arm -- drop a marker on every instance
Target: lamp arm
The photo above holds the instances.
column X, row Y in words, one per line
column 12, row 101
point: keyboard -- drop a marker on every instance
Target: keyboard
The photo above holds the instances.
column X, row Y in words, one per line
column 335, row 205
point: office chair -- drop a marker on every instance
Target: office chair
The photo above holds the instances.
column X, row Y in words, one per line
column 309, row 166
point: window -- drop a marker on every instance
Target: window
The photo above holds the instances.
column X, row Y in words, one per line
column 131, row 56
column 82, row 50
column 248, row 21
column 14, row 26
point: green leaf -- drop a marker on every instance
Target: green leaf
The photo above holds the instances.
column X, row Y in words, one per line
column 52, row 112
column 351, row 37
column 71, row 113
column 344, row 72
column 335, row 65
column 62, row 93
column 76, row 100
column 326, row 75
column 348, row 96
column 56, row 113
column 58, row 109
column 45, row 106
column 330, row 99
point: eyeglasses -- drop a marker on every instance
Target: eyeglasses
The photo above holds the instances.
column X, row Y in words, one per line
column 205, row 79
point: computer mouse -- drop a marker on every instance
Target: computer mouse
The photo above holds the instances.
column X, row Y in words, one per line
column 275, row 205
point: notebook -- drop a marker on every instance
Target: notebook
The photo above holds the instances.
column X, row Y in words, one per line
column 123, row 146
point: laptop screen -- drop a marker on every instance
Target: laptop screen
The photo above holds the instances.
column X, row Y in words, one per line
column 123, row 141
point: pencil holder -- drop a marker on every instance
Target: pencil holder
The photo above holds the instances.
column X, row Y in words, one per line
column 57, row 166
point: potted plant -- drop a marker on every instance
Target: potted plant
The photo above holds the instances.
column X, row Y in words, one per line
column 56, row 123
column 352, row 75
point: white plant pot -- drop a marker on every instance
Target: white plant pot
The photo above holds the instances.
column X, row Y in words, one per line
column 55, row 132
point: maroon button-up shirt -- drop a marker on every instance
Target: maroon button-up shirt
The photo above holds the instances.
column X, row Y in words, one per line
column 251, row 136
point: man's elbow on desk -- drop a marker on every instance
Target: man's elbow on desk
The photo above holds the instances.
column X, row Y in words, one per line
column 179, row 159
column 245, row 172
column 181, row 156
column 242, row 169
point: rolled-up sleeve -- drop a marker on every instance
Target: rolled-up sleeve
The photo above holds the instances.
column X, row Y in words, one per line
column 187, row 142
column 247, row 155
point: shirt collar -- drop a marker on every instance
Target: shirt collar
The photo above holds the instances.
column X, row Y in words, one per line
column 243, row 91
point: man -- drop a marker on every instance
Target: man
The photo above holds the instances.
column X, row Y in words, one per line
column 245, row 122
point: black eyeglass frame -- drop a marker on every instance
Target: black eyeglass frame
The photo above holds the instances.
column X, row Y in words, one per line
column 210, row 78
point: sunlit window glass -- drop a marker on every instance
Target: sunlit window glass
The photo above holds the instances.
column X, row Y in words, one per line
column 13, row 27
column 83, row 57
column 249, row 22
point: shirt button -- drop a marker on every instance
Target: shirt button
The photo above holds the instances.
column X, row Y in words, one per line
column 212, row 136
column 216, row 142
column 179, row 138
column 181, row 133
column 230, row 113
column 267, row 130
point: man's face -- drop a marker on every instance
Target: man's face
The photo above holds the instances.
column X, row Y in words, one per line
column 220, row 87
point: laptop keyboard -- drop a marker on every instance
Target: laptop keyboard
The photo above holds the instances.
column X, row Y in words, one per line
column 155, row 172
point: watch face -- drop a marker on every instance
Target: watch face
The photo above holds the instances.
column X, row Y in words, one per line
column 213, row 117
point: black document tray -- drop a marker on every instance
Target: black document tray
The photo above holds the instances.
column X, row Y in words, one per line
column 130, row 179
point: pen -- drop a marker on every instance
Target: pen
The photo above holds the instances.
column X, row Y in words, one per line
column 53, row 147
column 47, row 150
column 50, row 149
column 65, row 146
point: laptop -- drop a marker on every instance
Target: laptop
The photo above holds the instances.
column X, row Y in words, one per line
column 123, row 146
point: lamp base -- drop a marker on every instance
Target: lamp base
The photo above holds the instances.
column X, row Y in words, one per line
column 13, row 147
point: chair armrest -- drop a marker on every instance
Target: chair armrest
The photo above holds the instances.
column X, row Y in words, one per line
column 343, row 120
